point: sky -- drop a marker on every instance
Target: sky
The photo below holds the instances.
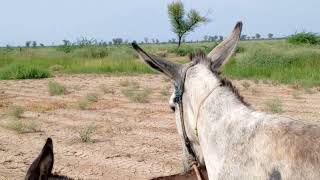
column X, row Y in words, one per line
column 51, row 21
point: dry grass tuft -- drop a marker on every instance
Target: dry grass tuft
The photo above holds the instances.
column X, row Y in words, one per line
column 245, row 84
column 56, row 89
column 92, row 97
column 23, row 127
column 107, row 90
column 274, row 105
column 15, row 111
column 86, row 132
column 165, row 91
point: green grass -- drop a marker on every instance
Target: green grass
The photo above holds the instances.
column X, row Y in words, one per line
column 304, row 38
column 278, row 61
column 23, row 71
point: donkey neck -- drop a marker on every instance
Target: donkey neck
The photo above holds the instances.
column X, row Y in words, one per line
column 220, row 121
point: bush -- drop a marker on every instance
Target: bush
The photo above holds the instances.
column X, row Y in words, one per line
column 56, row 88
column 186, row 50
column 274, row 105
column 92, row 97
column 304, row 38
column 83, row 103
column 91, row 52
column 19, row 71
column 23, row 127
column 66, row 48
column 15, row 111
column 137, row 95
column 86, row 132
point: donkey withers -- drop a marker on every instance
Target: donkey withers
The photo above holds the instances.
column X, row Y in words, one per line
column 227, row 136
column 41, row 168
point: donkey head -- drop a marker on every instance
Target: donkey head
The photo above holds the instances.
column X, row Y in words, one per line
column 196, row 79
column 41, row 168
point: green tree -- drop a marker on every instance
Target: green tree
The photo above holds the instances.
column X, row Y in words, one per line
column 258, row 36
column 34, row 44
column 28, row 44
column 181, row 23
column 270, row 35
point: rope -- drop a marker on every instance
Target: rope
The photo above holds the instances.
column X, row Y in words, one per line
column 196, row 170
column 201, row 103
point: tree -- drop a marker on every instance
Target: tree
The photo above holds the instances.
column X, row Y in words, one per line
column 206, row 38
column 243, row 37
column 34, row 43
column 117, row 41
column 28, row 43
column 41, row 44
column 220, row 38
column 146, row 40
column 66, row 42
column 258, row 36
column 182, row 25
column 270, row 35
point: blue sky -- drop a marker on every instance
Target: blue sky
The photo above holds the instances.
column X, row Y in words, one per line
column 50, row 21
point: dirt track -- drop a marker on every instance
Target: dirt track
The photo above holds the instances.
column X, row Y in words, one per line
column 132, row 140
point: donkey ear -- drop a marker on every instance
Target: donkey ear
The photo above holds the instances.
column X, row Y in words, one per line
column 172, row 70
column 222, row 53
column 42, row 166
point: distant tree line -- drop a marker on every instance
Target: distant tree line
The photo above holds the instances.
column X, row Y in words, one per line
column 256, row 36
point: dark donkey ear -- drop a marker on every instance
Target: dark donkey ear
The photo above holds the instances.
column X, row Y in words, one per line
column 42, row 166
column 171, row 69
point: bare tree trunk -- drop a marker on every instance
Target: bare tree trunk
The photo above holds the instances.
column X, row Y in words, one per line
column 179, row 41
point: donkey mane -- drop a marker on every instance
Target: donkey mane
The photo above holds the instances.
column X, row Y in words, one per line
column 201, row 57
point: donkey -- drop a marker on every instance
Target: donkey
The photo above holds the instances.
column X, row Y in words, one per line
column 225, row 134
column 41, row 168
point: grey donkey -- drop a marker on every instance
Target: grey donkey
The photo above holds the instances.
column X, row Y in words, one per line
column 227, row 136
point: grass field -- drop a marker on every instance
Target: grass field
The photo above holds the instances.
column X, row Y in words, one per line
column 274, row 60
column 278, row 61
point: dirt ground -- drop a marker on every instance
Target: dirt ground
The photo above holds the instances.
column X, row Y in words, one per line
column 131, row 141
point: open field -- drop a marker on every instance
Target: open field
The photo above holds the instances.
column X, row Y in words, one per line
column 132, row 139
column 275, row 60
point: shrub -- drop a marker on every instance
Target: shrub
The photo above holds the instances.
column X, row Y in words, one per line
column 107, row 90
column 86, row 132
column 19, row 71
column 137, row 95
column 23, row 127
column 304, row 38
column 83, row 103
column 296, row 95
column 15, row 111
column 246, row 85
column 56, row 89
column 274, row 105
column 92, row 97
column 165, row 91
column 91, row 52
column 56, row 67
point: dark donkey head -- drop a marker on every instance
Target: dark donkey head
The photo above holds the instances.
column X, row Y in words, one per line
column 41, row 168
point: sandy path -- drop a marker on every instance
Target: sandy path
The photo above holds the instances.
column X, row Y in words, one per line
column 132, row 140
